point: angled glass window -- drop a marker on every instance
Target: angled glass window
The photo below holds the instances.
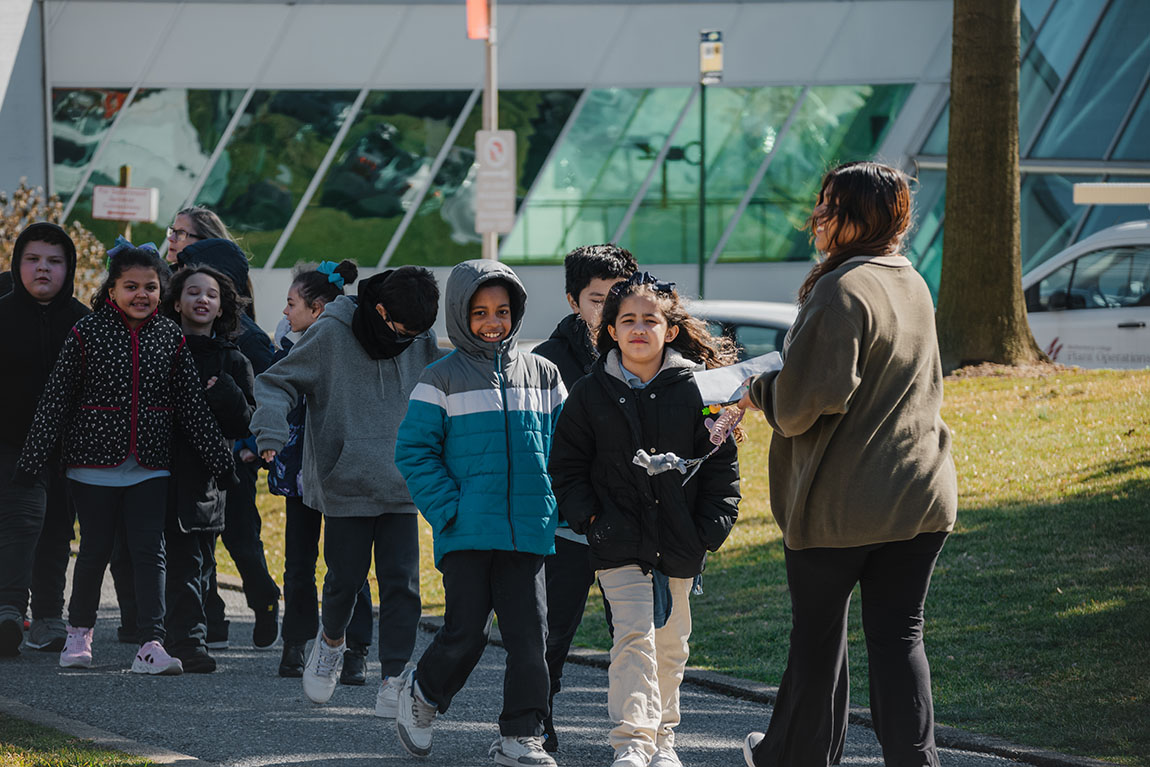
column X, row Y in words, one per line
column 835, row 124
column 1050, row 59
column 743, row 127
column 1049, row 215
column 584, row 192
column 270, row 159
column 384, row 160
column 924, row 248
column 936, row 142
column 1087, row 115
column 80, row 118
column 167, row 137
column 442, row 233
column 1135, row 141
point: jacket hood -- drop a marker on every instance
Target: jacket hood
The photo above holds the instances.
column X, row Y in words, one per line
column 222, row 255
column 342, row 309
column 673, row 359
column 41, row 231
column 466, row 278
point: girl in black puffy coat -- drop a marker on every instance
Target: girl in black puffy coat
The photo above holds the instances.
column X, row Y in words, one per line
column 206, row 305
column 648, row 534
column 123, row 381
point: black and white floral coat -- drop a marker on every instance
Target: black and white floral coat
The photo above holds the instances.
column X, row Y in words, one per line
column 117, row 391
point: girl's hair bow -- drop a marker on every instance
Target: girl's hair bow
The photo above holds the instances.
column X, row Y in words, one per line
column 334, row 277
column 643, row 278
column 122, row 244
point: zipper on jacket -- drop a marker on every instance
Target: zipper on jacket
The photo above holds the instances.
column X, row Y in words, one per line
column 135, row 389
column 507, row 434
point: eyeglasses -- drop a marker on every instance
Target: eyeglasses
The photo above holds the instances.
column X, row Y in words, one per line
column 179, row 235
column 399, row 333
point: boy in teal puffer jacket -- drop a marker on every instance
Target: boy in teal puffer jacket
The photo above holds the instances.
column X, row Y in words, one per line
column 473, row 448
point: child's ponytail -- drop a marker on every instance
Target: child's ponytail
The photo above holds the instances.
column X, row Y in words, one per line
column 324, row 283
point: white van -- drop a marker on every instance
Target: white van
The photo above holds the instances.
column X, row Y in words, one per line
column 1090, row 304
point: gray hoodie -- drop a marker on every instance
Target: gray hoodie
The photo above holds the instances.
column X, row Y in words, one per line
column 354, row 407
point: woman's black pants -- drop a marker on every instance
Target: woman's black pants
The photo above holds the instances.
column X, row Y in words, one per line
column 809, row 721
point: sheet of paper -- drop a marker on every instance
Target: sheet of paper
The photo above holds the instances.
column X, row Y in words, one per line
column 724, row 384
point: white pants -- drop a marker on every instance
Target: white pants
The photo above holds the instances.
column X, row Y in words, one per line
column 647, row 664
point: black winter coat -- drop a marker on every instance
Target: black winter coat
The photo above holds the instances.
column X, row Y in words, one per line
column 653, row 522
column 31, row 338
column 116, row 392
column 195, row 498
column 569, row 347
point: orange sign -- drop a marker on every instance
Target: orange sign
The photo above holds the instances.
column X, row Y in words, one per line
column 478, row 22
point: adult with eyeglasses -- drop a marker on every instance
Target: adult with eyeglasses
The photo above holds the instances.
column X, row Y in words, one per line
column 192, row 225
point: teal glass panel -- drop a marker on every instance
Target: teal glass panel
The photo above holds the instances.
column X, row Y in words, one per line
column 585, row 190
column 835, row 124
column 1102, row 216
column 384, row 160
column 936, row 143
column 442, row 233
column 1135, row 141
column 1032, row 13
column 270, row 159
column 1048, row 214
column 924, row 247
column 80, row 118
column 166, row 136
column 1087, row 115
column 1050, row 59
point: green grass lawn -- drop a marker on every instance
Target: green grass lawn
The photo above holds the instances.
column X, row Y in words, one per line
column 23, row 744
column 1038, row 619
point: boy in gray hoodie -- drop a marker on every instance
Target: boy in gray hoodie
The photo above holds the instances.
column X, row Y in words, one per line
column 357, row 366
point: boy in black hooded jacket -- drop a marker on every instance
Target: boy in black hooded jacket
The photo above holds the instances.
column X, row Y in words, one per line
column 36, row 317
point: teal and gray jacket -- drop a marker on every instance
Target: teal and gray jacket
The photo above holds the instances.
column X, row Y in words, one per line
column 476, row 439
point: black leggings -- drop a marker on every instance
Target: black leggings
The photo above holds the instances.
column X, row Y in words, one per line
column 809, row 721
column 141, row 510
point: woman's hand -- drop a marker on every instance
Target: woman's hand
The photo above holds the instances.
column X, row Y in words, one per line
column 745, row 401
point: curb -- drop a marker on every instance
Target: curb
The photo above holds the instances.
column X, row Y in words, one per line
column 101, row 738
column 747, row 689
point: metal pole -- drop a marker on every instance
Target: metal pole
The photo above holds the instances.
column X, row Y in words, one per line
column 126, row 181
column 491, row 113
column 702, row 186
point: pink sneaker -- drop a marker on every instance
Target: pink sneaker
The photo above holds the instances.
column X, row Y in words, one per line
column 77, row 652
column 154, row 659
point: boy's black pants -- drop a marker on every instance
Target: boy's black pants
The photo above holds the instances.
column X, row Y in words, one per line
column 569, row 577
column 191, row 562
column 809, row 721
column 301, row 605
column 476, row 585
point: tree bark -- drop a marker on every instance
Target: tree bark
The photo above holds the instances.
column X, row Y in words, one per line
column 981, row 313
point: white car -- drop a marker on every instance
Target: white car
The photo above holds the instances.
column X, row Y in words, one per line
column 1090, row 304
column 756, row 327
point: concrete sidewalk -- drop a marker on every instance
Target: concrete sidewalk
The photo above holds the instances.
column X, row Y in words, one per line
column 244, row 715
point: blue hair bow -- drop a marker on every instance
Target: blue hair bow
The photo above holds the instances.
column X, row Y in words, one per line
column 122, row 244
column 328, row 268
column 643, row 278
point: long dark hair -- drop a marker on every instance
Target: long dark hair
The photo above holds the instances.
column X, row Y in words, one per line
column 872, row 199
column 694, row 340
column 227, row 325
column 124, row 258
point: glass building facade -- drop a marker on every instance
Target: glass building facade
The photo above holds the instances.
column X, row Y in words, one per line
column 386, row 176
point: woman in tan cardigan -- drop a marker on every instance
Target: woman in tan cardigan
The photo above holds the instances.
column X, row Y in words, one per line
column 862, row 481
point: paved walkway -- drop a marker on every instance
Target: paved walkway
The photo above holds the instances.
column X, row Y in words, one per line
column 244, row 715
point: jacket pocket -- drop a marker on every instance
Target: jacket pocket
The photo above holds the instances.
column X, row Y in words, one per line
column 358, row 472
column 99, row 407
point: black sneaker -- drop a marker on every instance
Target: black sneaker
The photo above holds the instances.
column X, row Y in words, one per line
column 194, row 659
column 125, row 635
column 354, row 665
column 550, row 739
column 11, row 633
column 267, row 628
column 292, row 660
column 218, row 636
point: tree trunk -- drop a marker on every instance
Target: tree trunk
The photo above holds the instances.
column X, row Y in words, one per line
column 981, row 310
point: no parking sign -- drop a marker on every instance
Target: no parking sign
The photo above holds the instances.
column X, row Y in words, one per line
column 495, row 181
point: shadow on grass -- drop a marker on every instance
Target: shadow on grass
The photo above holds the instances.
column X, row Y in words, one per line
column 1037, row 621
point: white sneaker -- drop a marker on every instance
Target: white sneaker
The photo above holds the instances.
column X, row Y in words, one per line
column 522, row 751
column 665, row 757
column 387, row 699
column 77, row 652
column 631, row 756
column 153, row 659
column 322, row 669
column 753, row 739
column 414, row 716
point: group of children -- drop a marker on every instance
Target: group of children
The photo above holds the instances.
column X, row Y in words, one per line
column 521, row 464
